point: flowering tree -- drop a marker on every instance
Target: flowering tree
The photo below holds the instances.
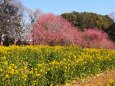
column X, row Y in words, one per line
column 11, row 14
column 52, row 30
column 96, row 38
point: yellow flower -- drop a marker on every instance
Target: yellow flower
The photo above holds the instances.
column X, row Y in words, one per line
column 6, row 76
column 1, row 69
column 4, row 57
column 64, row 59
column 38, row 75
column 25, row 67
column 9, row 67
column 12, row 71
column 16, row 71
column 40, row 65
column 24, row 77
column 31, row 72
column 5, row 63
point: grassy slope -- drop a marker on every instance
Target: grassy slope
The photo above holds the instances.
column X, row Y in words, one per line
column 106, row 78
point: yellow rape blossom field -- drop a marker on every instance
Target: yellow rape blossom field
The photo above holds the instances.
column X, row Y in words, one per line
column 51, row 65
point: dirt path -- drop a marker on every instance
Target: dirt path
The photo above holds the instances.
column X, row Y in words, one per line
column 98, row 80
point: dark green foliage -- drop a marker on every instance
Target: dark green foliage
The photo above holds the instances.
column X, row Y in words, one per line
column 8, row 41
column 88, row 20
column 19, row 42
column 111, row 31
column 55, row 77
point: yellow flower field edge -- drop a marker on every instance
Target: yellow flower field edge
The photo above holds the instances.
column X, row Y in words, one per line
column 110, row 83
column 49, row 66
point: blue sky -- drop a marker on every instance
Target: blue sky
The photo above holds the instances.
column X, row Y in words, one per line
column 62, row 6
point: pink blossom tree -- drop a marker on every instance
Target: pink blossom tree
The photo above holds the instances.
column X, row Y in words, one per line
column 52, row 30
column 96, row 38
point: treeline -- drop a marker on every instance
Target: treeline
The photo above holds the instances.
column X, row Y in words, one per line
column 86, row 20
column 15, row 29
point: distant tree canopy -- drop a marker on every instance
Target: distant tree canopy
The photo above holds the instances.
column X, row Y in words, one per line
column 88, row 20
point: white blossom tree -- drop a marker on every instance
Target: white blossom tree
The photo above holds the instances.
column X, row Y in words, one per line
column 11, row 13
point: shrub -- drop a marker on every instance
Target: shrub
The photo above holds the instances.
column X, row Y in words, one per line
column 8, row 41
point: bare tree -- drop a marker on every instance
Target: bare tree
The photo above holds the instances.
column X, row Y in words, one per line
column 112, row 15
column 32, row 17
